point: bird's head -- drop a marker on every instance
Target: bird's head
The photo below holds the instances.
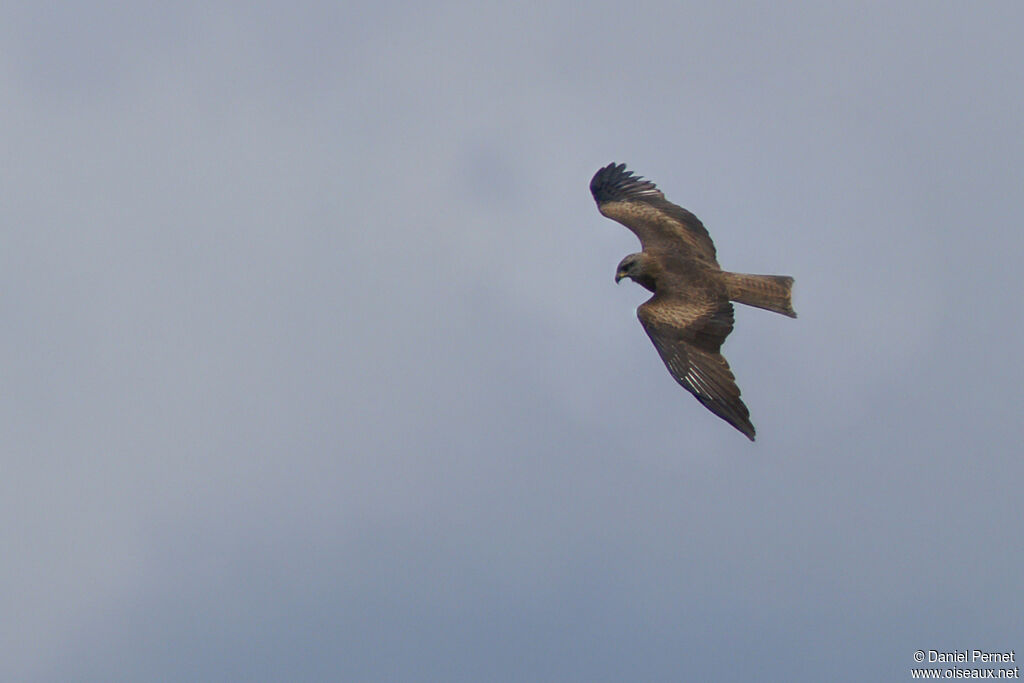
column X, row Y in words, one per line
column 627, row 267
column 641, row 268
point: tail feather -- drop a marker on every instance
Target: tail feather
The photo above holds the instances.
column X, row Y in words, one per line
column 770, row 292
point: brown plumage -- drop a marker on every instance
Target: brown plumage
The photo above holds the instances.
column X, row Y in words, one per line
column 689, row 315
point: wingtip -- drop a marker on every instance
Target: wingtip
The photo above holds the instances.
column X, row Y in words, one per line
column 601, row 180
column 746, row 428
column 614, row 183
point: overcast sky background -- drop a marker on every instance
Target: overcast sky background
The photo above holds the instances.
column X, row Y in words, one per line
column 314, row 367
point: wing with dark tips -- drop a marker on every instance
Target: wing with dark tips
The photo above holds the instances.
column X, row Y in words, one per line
column 688, row 336
column 640, row 206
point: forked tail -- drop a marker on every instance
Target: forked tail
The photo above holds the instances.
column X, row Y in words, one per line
column 770, row 292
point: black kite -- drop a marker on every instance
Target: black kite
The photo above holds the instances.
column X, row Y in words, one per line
column 689, row 315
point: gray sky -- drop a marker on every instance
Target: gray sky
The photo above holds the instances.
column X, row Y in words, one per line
column 314, row 367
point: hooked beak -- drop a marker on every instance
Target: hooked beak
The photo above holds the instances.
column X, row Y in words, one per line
column 618, row 276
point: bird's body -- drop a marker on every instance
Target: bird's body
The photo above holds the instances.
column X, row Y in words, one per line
column 690, row 314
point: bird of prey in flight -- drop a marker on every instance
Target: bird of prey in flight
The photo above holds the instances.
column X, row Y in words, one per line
column 689, row 315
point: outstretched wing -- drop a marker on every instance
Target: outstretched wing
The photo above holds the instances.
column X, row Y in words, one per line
column 688, row 335
column 640, row 206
